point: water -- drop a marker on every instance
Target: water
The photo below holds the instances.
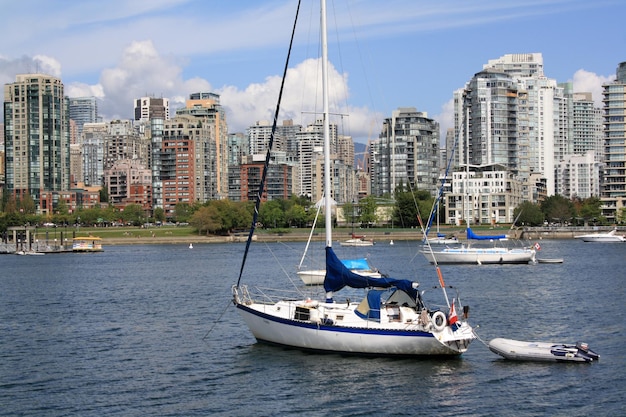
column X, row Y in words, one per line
column 150, row 330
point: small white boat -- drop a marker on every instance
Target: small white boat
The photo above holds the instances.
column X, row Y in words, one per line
column 357, row 241
column 443, row 240
column 550, row 260
column 191, row 246
column 611, row 236
column 542, row 351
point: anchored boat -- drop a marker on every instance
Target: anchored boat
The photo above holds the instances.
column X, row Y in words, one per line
column 542, row 351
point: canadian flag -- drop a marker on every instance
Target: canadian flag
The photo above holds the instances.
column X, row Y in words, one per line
column 537, row 246
column 452, row 317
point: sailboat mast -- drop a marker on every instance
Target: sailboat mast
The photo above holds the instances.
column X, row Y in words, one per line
column 467, row 170
column 327, row 193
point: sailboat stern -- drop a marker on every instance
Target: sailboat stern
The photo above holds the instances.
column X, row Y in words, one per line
column 457, row 337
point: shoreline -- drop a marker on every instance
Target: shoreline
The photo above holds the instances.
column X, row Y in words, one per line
column 257, row 237
column 528, row 233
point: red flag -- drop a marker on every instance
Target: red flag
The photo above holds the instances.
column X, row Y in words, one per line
column 452, row 317
column 537, row 246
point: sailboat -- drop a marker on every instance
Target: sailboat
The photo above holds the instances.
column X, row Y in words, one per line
column 441, row 238
column 470, row 254
column 360, row 266
column 392, row 318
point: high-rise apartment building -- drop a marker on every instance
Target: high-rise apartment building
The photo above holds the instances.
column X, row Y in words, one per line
column 83, row 110
column 147, row 108
column 94, row 137
column 613, row 192
column 123, row 141
column 36, row 118
column 211, row 145
column 578, row 176
column 129, row 182
column 587, row 132
column 514, row 115
column 407, row 153
column 189, row 159
column 541, row 117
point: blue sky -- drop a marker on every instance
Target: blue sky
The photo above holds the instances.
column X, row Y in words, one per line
column 384, row 54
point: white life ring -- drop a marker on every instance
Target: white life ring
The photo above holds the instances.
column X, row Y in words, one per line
column 439, row 320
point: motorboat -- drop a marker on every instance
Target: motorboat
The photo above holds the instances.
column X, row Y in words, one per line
column 611, row 236
column 518, row 350
column 357, row 240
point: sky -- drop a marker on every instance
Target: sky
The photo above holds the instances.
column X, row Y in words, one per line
column 383, row 54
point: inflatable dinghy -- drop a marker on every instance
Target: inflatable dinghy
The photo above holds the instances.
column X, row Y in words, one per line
column 541, row 351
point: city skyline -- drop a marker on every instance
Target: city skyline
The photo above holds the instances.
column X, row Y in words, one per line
column 395, row 54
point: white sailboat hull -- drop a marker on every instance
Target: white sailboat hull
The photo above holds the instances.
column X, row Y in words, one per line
column 469, row 255
column 357, row 242
column 273, row 323
column 443, row 241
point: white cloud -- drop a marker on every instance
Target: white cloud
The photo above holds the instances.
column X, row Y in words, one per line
column 445, row 119
column 301, row 101
column 589, row 82
column 84, row 90
column 141, row 71
column 42, row 64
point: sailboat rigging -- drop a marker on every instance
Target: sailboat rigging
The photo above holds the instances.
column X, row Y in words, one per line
column 392, row 319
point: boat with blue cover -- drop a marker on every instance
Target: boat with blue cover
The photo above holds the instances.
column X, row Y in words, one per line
column 392, row 317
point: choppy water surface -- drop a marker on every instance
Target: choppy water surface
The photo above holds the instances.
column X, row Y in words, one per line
column 150, row 330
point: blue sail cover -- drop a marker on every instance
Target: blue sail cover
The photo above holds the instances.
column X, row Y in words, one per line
column 360, row 264
column 473, row 236
column 338, row 276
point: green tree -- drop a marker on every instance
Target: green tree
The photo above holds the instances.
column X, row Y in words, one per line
column 590, row 208
column 557, row 208
column 620, row 215
column 134, row 214
column 27, row 205
column 159, row 214
column 296, row 216
column 368, row 211
column 529, row 214
column 182, row 212
column 350, row 213
column 207, row 220
column 410, row 204
column 271, row 214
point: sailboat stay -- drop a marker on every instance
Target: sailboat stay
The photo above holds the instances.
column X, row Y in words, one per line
column 391, row 319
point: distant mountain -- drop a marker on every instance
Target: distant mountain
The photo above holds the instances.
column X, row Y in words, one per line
column 359, row 152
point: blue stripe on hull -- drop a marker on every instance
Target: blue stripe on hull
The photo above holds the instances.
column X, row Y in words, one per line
column 339, row 329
